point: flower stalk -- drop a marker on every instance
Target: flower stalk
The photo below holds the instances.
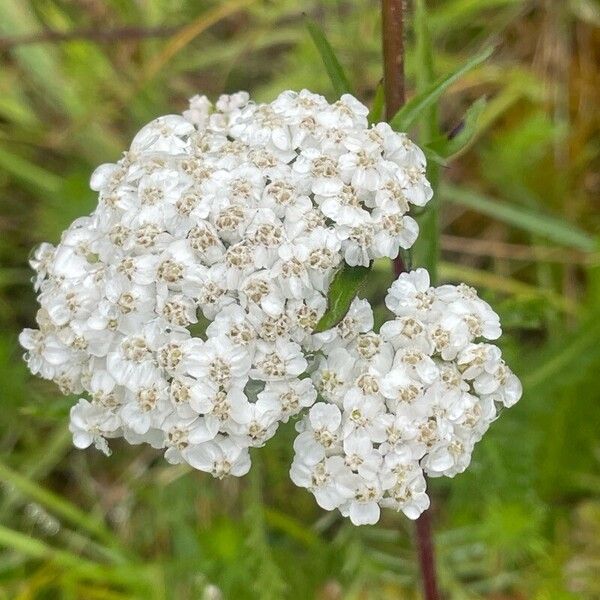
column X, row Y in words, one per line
column 393, row 70
column 426, row 556
column 392, row 13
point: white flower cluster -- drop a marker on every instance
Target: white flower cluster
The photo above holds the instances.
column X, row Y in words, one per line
column 237, row 214
column 411, row 400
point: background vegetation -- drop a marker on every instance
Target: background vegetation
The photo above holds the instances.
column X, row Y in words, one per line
column 519, row 219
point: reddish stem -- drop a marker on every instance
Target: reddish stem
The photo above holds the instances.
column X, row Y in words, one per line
column 393, row 70
column 426, row 557
column 393, row 81
column 393, row 55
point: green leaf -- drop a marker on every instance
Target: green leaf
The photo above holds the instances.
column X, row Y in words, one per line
column 36, row 178
column 433, row 155
column 534, row 221
column 80, row 567
column 424, row 51
column 376, row 112
column 426, row 250
column 407, row 115
column 343, row 289
column 340, row 82
column 451, row 148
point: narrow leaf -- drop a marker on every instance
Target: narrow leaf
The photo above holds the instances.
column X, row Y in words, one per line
column 537, row 222
column 343, row 289
column 29, row 173
column 426, row 250
column 58, row 505
column 505, row 285
column 338, row 78
column 434, row 156
column 79, row 566
column 469, row 129
column 407, row 115
column 424, row 52
column 376, row 112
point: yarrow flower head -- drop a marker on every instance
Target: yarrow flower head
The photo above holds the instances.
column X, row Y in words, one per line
column 409, row 401
column 239, row 214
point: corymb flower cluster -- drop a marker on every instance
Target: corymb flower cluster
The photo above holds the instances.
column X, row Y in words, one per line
column 183, row 308
column 412, row 399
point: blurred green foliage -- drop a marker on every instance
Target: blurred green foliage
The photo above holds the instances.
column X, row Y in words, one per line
column 518, row 216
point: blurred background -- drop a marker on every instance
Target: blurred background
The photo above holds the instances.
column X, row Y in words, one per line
column 519, row 220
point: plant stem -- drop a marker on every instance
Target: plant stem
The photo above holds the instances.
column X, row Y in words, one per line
column 426, row 557
column 393, row 55
column 393, row 70
column 393, row 81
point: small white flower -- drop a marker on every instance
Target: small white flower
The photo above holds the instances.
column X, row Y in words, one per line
column 362, row 169
column 199, row 111
column 334, row 375
column 408, row 493
column 363, row 415
column 411, row 294
column 347, row 207
column 287, row 397
column 361, row 456
column 220, row 457
column 90, row 424
column 363, row 508
column 261, row 425
column 221, row 362
column 323, row 171
column 394, row 231
column 358, row 243
column 330, row 480
column 147, row 407
column 279, row 360
column 323, row 423
column 167, row 134
column 223, row 408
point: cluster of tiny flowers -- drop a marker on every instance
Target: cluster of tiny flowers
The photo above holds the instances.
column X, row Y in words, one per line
column 410, row 400
column 236, row 214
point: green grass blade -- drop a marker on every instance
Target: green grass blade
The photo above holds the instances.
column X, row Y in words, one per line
column 291, row 527
column 30, row 174
column 376, row 112
column 58, row 505
column 536, row 222
column 411, row 111
column 426, row 250
column 424, row 53
column 142, row 580
column 338, row 78
column 505, row 285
